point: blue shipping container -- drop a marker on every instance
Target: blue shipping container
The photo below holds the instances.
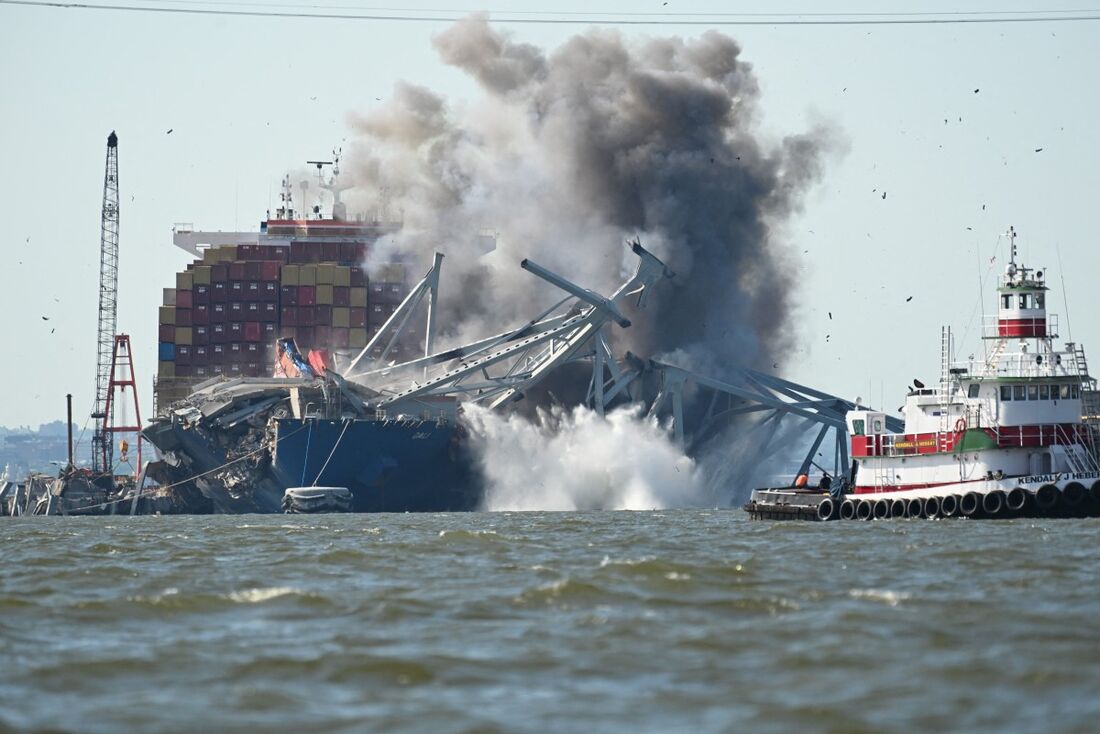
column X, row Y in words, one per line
column 167, row 352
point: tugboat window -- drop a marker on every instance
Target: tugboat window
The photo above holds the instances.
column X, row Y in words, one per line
column 972, row 392
column 1019, row 392
column 1006, row 392
column 1065, row 392
column 1073, row 393
column 1044, row 392
column 1025, row 300
column 1040, row 300
column 1032, row 392
column 1006, row 300
column 857, row 427
column 877, row 425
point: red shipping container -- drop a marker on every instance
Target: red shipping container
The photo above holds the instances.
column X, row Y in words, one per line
column 219, row 272
column 184, row 299
column 306, row 316
column 322, row 336
column 330, row 252
column 357, row 317
column 235, row 330
column 236, row 270
column 340, row 295
column 307, row 295
column 219, row 334
column 270, row 312
column 288, row 295
column 252, row 331
column 340, row 338
column 322, row 315
column 183, row 354
column 269, row 270
column 183, row 316
column 201, row 335
column 219, row 292
column 288, row 316
column 167, row 333
column 202, row 293
column 358, row 278
column 201, row 314
column 252, row 270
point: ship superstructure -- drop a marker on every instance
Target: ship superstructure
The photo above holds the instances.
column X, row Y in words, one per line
column 299, row 276
column 1011, row 432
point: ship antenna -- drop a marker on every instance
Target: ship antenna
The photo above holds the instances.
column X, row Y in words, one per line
column 1065, row 298
column 1012, row 245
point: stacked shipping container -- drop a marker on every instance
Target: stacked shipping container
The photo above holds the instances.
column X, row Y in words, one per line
column 228, row 308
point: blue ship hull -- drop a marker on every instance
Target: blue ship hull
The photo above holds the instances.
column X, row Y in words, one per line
column 389, row 466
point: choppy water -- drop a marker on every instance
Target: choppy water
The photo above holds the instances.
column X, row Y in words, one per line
column 547, row 622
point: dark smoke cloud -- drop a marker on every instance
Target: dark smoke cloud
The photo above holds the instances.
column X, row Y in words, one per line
column 572, row 151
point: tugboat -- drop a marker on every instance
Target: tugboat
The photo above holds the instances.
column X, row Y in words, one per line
column 1014, row 434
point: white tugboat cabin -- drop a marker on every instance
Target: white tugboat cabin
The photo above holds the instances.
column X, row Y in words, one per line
column 1023, row 416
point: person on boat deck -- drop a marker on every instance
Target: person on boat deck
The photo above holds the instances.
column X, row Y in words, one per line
column 826, row 482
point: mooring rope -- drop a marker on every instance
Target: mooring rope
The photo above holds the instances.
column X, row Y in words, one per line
column 347, row 422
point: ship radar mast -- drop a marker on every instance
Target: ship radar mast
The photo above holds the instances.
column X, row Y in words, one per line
column 332, row 185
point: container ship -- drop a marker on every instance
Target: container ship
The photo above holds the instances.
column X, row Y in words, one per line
column 231, row 429
column 1013, row 434
column 285, row 366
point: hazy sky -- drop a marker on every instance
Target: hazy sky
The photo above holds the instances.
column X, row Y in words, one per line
column 249, row 98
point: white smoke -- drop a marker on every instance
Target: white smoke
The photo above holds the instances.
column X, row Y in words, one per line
column 576, row 460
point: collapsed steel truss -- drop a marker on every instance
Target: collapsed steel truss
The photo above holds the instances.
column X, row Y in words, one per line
column 499, row 369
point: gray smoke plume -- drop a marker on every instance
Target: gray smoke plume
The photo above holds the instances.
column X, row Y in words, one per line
column 572, row 151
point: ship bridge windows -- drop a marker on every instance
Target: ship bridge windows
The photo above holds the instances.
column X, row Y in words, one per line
column 1040, row 392
column 1006, row 301
column 972, row 390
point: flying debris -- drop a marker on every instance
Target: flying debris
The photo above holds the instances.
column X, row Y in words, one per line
column 830, row 316
column 1038, row 150
column 910, row 298
column 45, row 318
column 53, row 330
column 170, row 131
column 918, row 384
column 976, row 91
